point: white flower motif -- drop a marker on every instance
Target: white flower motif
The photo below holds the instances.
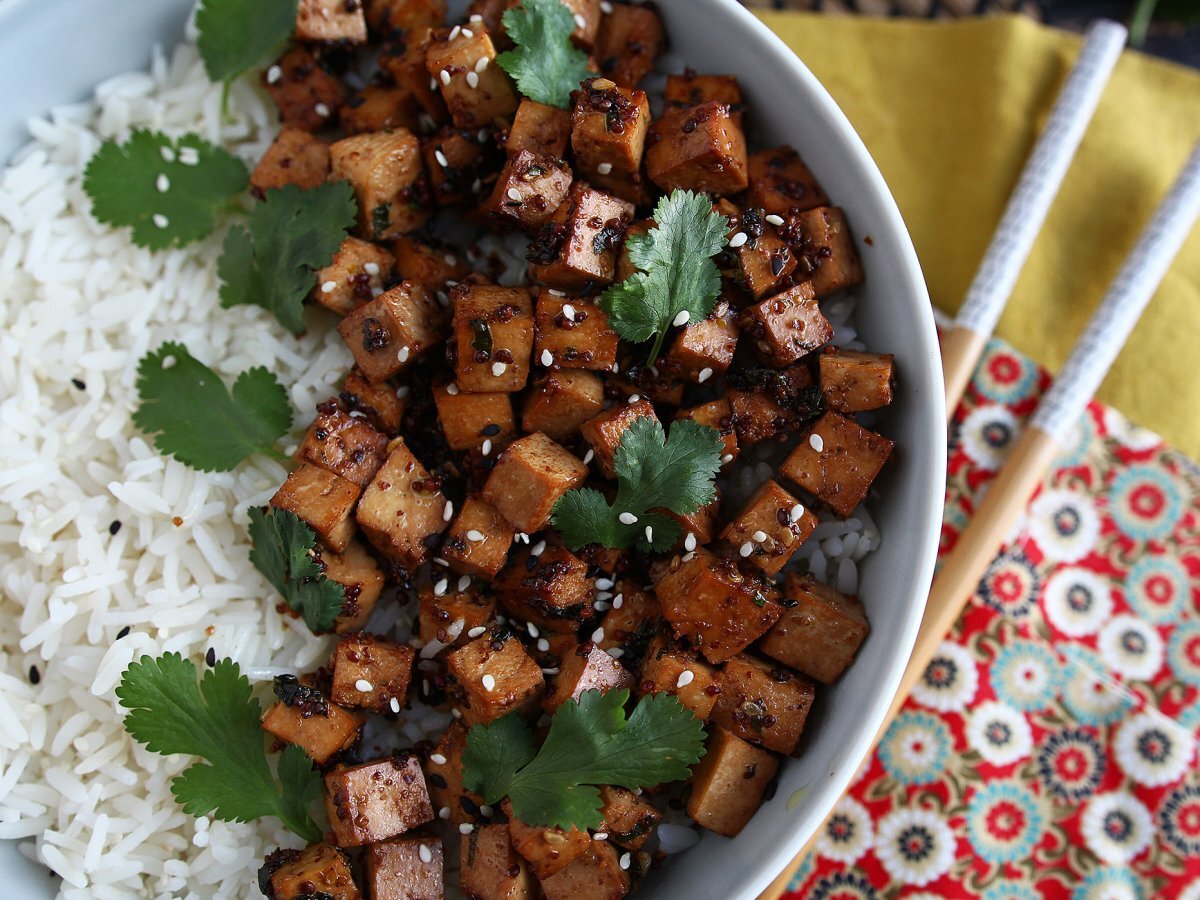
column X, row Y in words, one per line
column 1132, row 436
column 848, row 832
column 1000, row 733
column 1153, row 749
column 916, row 846
column 987, row 435
column 1131, row 647
column 1077, row 601
column 1117, row 827
column 1064, row 524
column 950, row 680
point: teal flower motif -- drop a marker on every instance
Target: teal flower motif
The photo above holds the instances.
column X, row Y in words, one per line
column 1108, row 883
column 1091, row 695
column 1079, row 441
column 1145, row 502
column 1184, row 652
column 1004, row 821
column 1004, row 376
column 1157, row 587
column 915, row 748
column 1026, row 675
column 1010, row 890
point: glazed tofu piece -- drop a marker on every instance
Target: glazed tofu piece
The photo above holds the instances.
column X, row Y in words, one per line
column 825, row 248
column 443, row 776
column 451, row 616
column 490, row 868
column 701, row 148
column 701, row 525
column 853, row 381
column 304, row 717
column 394, row 19
column 474, row 421
column 704, row 349
column 529, row 191
column 376, row 801
column 370, row 672
column 837, row 462
column 788, row 326
column 431, row 267
column 385, row 170
column 476, row 92
column 324, row 500
column 332, row 21
column 547, row 850
column 579, row 246
column 344, row 444
column 456, row 160
column 406, row 869
column 772, row 403
column 540, row 129
column 355, row 276
column 690, row 89
column 587, row 668
column 560, row 402
column 604, row 432
column 307, row 94
column 628, row 819
column 529, row 478
column 297, row 874
column 550, row 588
column 770, row 528
column 716, row 414
column 669, row 668
column 388, row 334
column 401, row 509
column 820, row 634
column 767, row 262
column 496, row 677
column 404, row 61
column 478, row 541
column 780, row 182
column 356, row 570
column 609, row 124
column 381, row 404
column 630, row 40
column 379, row 107
column 729, row 782
column 587, row 20
column 294, row 157
column 763, row 703
column 596, row 874
column 573, row 334
column 631, row 621
column 493, row 331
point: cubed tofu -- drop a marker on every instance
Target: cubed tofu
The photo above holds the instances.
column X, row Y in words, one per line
column 820, row 633
column 573, row 334
column 729, row 782
column 609, row 124
column 701, row 523
column 772, row 403
column 308, row 95
column 587, row 15
column 444, row 777
column 578, row 248
column 704, row 349
column 370, row 672
column 379, row 107
column 587, row 668
column 356, row 275
column 596, row 874
column 376, row 801
column 604, row 432
column 385, row 170
column 356, row 571
column 451, row 616
column 770, row 528
column 788, row 326
column 837, row 462
column 493, row 331
column 294, row 157
column 529, row 479
column 690, row 89
column 473, row 421
column 388, row 334
column 490, row 868
column 628, row 819
column 661, row 389
column 766, row 261
column 401, row 509
column 404, row 61
column 496, row 677
column 716, row 414
column 669, row 668
column 701, row 148
column 491, row 14
column 382, row 404
column 324, row 500
column 344, row 444
column 630, row 40
column 478, row 540
column 825, row 249
column 542, row 130
column 476, row 92
column 529, row 191
column 780, row 182
column 547, row 850
column 304, row 717
column 456, row 160
column 335, row 21
column 560, row 402
column 853, row 381
column 429, row 266
column 406, row 869
column 550, row 588
column 764, row 703
column 391, row 20
column 631, row 622
column 719, row 608
column 300, row 874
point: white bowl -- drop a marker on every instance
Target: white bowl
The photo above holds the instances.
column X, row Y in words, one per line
column 55, row 51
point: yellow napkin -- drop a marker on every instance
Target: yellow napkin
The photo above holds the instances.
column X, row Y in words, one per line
column 950, row 111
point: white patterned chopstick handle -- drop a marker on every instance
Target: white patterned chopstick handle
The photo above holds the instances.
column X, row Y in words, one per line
column 1118, row 312
column 1041, row 178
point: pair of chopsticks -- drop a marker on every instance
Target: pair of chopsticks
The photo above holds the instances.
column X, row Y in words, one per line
column 1066, row 400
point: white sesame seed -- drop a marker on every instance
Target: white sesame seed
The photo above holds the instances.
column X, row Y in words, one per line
column 456, row 712
column 466, row 828
column 522, row 537
column 774, row 219
column 738, row 239
column 477, row 536
column 543, row 645
column 464, row 582
column 618, row 601
column 489, row 683
column 634, row 398
column 444, row 812
column 532, row 629
column 598, row 635
column 445, row 76
column 604, row 584
column 329, row 287
column 499, row 368
column 538, row 549
column 274, row 74
column 689, row 542
column 189, row 156
column 553, row 671
column 161, row 221
column 726, row 458
column 746, row 549
column 425, row 853
column 438, row 561
column 627, row 518
column 167, row 154
column 437, row 759
column 363, row 686
column 816, row 442
column 626, row 859
column 649, row 534
column 452, row 389
column 481, row 135
column 797, row 512
column 441, row 159
column 603, row 595
column 604, row 168
column 589, row 456
column 440, row 588
column 688, row 557
column 686, row 677
column 601, row 606
column 580, row 21
column 615, row 652
column 554, row 292
column 482, row 63
column 600, row 836
column 433, row 84
column 403, row 354
column 476, row 631
column 455, row 32
column 547, row 358
column 321, row 110
column 486, row 449
column 682, row 318
column 569, row 311
column 705, row 374
column 163, row 183
column 514, row 194
column 472, row 80
column 371, row 268
column 486, row 810
column 375, row 292
column 448, row 511
column 758, row 537
column 605, row 7
column 475, row 17
column 616, row 367
column 395, row 705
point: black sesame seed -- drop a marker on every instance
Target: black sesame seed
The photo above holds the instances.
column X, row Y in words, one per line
column 34, row 675
column 491, row 430
column 114, row 526
column 79, row 384
column 124, row 632
column 211, row 657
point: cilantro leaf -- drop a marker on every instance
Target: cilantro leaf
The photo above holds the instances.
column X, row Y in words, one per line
column 653, row 472
column 168, row 190
column 590, row 743
column 677, row 271
column 200, row 423
column 545, row 64
column 282, row 547
column 219, row 721
column 292, row 234
column 236, row 34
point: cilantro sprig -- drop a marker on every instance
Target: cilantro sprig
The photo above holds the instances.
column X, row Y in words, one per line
column 654, row 471
column 219, row 721
column 283, row 547
column 237, row 34
column 545, row 64
column 590, row 743
column 676, row 271
column 168, row 190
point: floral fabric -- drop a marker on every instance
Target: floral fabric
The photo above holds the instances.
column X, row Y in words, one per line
column 1050, row 749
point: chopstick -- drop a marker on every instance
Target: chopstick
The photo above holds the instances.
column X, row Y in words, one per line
column 1027, row 463
column 962, row 345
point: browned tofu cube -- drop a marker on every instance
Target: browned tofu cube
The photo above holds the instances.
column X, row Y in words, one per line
column 491, row 14
column 837, row 462
column 669, row 668
column 379, row 107
column 356, row 570
column 388, row 334
column 716, row 414
column 763, row 703
column 780, row 182
column 451, row 616
column 704, row 349
column 628, row 819
column 702, row 524
column 376, row 801
column 771, row 403
column 304, row 717
column 405, row 62
column 476, row 92
column 530, row 189
column 825, row 249
column 853, row 381
column 431, row 267
column 382, row 404
column 456, row 160
column 308, row 95
column 550, row 588
column 573, row 334
column 369, row 672
column 720, row 609
column 529, row 478
column 475, row 421
column 295, row 157
column 609, row 124
column 690, row 89
column 587, row 20
column 820, row 634
column 630, row 40
column 297, row 874
column 490, row 868
column 385, row 170
column 560, row 402
column 542, row 130
column 588, row 668
column 406, row 869
column 604, row 432
column 729, row 782
column 478, row 541
column 356, row 276
column 631, row 621
column 344, row 444
column 701, row 148
column 493, row 330
column 444, row 777
column 337, row 21
column 770, row 528
column 496, row 677
column 766, row 261
column 401, row 511
column 547, row 850
column 579, row 247
column 393, row 19
column 596, row 874
column 788, row 326
column 324, row 500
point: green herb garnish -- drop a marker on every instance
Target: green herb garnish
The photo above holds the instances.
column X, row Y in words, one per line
column 545, row 64
column 237, row 34
column 283, row 552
